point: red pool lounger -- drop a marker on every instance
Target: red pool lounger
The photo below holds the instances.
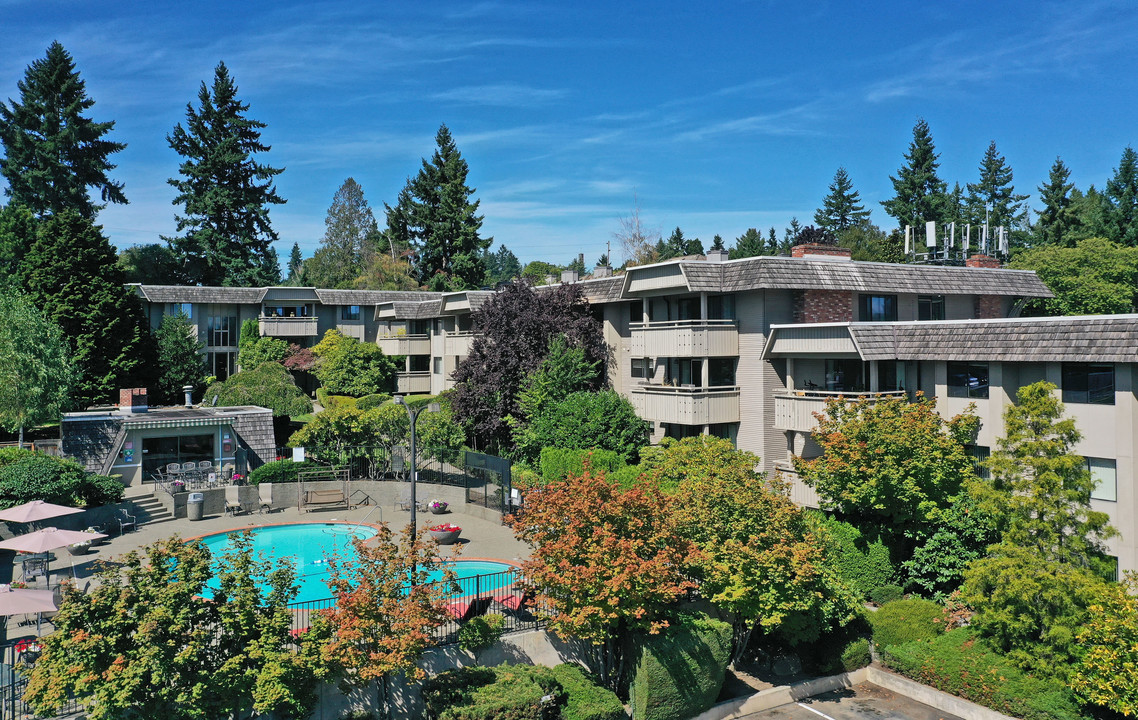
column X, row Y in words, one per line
column 512, row 601
column 465, row 609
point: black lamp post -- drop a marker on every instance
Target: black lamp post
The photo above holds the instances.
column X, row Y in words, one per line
column 413, row 414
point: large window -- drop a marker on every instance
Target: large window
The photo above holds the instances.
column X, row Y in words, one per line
column 721, row 307
column 639, row 367
column 878, row 308
column 968, row 380
column 157, row 452
column 930, row 307
column 844, row 376
column 221, row 331
column 1104, row 472
column 420, row 363
column 721, row 372
column 979, row 455
column 186, row 309
column 1088, row 383
column 350, row 312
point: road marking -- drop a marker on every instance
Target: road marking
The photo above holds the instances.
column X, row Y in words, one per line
column 816, row 712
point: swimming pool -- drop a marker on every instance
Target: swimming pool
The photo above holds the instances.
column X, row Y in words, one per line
column 309, row 544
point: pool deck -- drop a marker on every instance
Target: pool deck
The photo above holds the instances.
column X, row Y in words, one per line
column 480, row 540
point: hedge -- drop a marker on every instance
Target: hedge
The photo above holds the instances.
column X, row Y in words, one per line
column 960, row 663
column 516, row 692
column 678, row 673
column 282, row 471
column 367, row 402
column 855, row 655
column 35, row 476
column 560, row 463
column 905, row 621
column 330, row 402
column 862, row 561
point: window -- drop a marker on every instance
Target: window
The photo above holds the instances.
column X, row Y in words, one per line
column 350, row 312
column 979, row 455
column 639, row 367
column 221, row 331
column 186, row 309
column 635, row 312
column 721, row 372
column 842, row 376
column 721, row 307
column 1104, row 472
column 1091, row 383
column 878, row 308
column 420, row 363
column 438, row 366
column 687, row 309
column 930, row 307
column 968, row 380
column 419, row 327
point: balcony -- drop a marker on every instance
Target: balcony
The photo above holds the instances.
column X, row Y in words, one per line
column 458, row 344
column 404, row 344
column 273, row 326
column 351, row 328
column 800, row 492
column 795, row 410
column 685, row 338
column 412, row 383
column 687, row 405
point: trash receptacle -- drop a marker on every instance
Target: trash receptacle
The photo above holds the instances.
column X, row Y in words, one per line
column 195, row 504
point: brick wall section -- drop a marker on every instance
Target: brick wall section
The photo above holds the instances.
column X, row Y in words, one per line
column 820, row 306
column 982, row 261
column 132, row 399
column 989, row 306
column 810, row 249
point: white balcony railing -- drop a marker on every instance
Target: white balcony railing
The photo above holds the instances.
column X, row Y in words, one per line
column 407, row 383
column 687, row 405
column 404, row 344
column 795, row 409
column 287, row 326
column 685, row 338
column 457, row 344
column 800, row 492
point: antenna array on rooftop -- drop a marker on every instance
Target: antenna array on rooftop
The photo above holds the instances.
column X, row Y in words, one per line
column 949, row 243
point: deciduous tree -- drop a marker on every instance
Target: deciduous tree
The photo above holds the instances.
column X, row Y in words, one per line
column 350, row 367
column 1095, row 277
column 918, row 190
column 53, row 153
column 36, row 372
column 1106, row 672
column 841, row 208
column 267, row 385
column 150, row 264
column 584, row 420
column 225, row 192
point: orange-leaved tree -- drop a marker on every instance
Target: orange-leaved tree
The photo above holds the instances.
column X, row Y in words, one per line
column 607, row 561
column 388, row 604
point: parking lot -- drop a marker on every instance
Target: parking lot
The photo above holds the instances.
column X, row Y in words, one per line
column 861, row 702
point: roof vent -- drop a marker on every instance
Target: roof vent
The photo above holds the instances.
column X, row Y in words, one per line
column 569, row 276
column 602, row 271
column 716, row 256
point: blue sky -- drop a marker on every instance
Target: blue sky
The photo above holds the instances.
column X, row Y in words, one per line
column 714, row 117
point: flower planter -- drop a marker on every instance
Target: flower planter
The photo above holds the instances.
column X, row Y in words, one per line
column 437, row 508
column 79, row 548
column 446, row 537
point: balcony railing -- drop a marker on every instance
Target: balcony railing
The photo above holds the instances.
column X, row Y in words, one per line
column 287, row 326
column 404, row 344
column 685, row 338
column 457, row 344
column 795, row 409
column 687, row 405
column 412, row 382
column 351, row 328
column 800, row 492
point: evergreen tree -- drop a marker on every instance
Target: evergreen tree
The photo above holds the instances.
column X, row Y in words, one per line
column 181, row 359
column 749, row 244
column 501, row 266
column 954, row 207
column 70, row 271
column 919, row 192
column 772, row 241
column 1057, row 218
column 577, row 264
column 295, row 262
column 351, row 236
column 1120, row 201
column 993, row 199
column 444, row 223
column 717, row 242
column 842, row 207
column 603, row 260
column 53, row 153
column 791, row 232
column 397, row 236
column 676, row 245
column 17, row 233
column 225, row 191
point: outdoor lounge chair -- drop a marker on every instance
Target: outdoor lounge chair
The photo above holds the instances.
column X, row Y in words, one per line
column 233, row 500
column 265, row 496
column 126, row 520
column 463, row 609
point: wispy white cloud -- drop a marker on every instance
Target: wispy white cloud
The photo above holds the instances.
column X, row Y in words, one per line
column 501, row 95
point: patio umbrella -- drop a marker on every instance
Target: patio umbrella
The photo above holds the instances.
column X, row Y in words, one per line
column 36, row 510
column 47, row 539
column 24, row 602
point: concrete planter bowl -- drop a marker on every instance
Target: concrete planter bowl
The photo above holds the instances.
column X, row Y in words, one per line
column 445, row 534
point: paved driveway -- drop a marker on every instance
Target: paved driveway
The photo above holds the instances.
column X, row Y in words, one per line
column 861, row 702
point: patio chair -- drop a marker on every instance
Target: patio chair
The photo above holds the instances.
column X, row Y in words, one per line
column 34, row 567
column 173, row 468
column 398, row 466
column 404, row 501
column 233, row 500
column 206, row 465
column 265, row 496
column 126, row 520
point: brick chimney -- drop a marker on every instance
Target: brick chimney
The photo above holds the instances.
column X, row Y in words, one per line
column 982, row 261
column 812, row 251
column 132, row 400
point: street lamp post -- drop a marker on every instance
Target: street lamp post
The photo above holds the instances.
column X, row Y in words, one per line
column 413, row 415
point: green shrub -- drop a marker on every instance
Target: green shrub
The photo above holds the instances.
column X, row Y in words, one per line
column 367, row 402
column 508, row 692
column 906, row 621
column 35, row 476
column 823, row 656
column 626, row 476
column 587, row 700
column 282, row 471
column 10, row 455
column 560, row 463
column 863, row 562
column 268, row 385
column 480, row 632
column 855, row 655
column 331, row 402
column 678, row 673
column 960, row 663
column 886, row 594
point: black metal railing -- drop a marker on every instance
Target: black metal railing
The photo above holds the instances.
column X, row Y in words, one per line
column 18, row 656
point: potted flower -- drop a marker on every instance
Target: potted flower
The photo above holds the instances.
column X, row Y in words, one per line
column 96, row 530
column 179, row 485
column 437, row 507
column 79, row 548
column 445, row 534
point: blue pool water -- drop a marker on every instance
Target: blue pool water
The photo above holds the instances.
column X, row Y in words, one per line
column 309, row 545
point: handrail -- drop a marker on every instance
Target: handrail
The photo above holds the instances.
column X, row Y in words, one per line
column 824, row 394
column 412, row 373
column 665, row 324
column 689, row 389
column 403, row 337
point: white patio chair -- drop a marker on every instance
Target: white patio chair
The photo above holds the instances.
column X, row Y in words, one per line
column 233, row 500
column 265, row 496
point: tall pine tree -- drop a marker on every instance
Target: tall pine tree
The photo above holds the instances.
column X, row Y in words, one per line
column 295, row 262
column 53, row 153
column 70, row 271
column 1057, row 219
column 749, row 244
column 994, row 199
column 1120, row 201
column 226, row 193
column 918, row 191
column 841, row 208
column 350, row 239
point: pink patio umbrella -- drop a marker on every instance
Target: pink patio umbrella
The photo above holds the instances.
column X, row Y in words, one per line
column 47, row 539
column 21, row 601
column 36, row 510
